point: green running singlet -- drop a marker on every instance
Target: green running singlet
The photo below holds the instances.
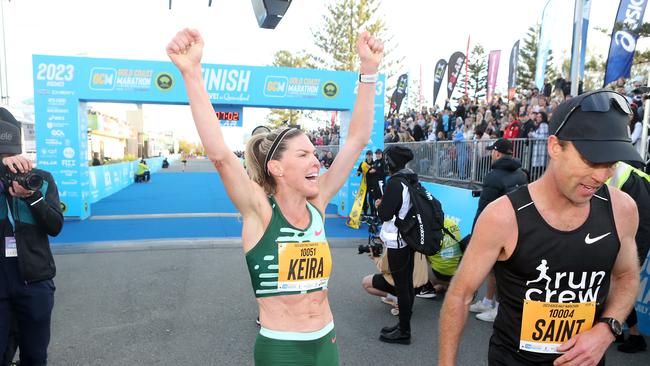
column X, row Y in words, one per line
column 288, row 260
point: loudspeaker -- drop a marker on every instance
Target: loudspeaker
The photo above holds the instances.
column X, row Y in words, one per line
column 270, row 12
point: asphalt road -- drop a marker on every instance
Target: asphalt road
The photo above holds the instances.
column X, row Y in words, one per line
column 191, row 303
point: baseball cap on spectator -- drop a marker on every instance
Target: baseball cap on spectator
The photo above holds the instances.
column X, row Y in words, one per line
column 11, row 132
column 503, row 146
column 378, row 151
column 369, row 152
column 597, row 125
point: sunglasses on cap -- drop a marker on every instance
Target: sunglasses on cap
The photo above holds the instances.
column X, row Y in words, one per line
column 598, row 102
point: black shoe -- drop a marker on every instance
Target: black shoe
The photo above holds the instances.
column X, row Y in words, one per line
column 620, row 338
column 633, row 344
column 385, row 330
column 396, row 336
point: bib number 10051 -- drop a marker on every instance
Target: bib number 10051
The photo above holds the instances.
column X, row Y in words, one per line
column 55, row 72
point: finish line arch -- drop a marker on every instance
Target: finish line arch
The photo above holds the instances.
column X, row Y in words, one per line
column 63, row 84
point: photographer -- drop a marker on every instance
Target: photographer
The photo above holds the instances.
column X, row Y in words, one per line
column 29, row 212
column 396, row 203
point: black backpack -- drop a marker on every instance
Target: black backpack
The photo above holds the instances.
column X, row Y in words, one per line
column 423, row 226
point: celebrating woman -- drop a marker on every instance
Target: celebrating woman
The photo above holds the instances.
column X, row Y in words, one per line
column 282, row 200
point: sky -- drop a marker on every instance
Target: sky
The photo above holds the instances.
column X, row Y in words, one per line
column 423, row 32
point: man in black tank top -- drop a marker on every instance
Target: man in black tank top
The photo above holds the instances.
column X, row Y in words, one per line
column 568, row 273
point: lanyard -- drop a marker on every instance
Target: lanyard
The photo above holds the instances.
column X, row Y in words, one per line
column 10, row 216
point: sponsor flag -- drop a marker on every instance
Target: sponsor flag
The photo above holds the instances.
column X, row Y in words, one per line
column 493, row 70
column 439, row 72
column 354, row 219
column 453, row 71
column 585, row 28
column 398, row 94
column 467, row 65
column 512, row 70
column 549, row 22
column 624, row 36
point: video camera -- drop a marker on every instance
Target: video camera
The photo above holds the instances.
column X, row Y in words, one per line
column 375, row 245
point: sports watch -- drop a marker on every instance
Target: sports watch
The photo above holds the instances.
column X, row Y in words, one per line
column 368, row 78
column 614, row 325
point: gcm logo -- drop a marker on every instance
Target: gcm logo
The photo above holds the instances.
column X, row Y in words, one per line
column 57, row 133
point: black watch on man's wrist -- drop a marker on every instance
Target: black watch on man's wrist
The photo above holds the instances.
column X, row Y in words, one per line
column 614, row 325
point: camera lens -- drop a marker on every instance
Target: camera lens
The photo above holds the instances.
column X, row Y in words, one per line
column 33, row 182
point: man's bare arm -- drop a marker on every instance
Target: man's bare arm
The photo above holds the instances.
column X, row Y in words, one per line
column 486, row 247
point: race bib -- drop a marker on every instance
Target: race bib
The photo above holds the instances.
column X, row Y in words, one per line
column 10, row 247
column 547, row 325
column 303, row 266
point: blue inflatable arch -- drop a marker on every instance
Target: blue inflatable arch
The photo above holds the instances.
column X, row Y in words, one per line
column 63, row 84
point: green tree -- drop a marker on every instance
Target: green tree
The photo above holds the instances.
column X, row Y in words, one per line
column 412, row 98
column 285, row 58
column 527, row 65
column 188, row 147
column 477, row 73
column 594, row 71
column 336, row 38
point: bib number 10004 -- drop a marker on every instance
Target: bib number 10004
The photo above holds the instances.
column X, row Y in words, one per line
column 55, row 72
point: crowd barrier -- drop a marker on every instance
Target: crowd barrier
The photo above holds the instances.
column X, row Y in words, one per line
column 464, row 163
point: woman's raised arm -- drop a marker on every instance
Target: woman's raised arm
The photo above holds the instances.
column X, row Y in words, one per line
column 185, row 51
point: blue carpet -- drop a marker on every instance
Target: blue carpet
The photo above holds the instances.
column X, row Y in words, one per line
column 167, row 194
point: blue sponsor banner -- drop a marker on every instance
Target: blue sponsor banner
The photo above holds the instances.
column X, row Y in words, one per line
column 104, row 180
column 642, row 305
column 624, row 36
column 62, row 84
column 160, row 82
column 457, row 203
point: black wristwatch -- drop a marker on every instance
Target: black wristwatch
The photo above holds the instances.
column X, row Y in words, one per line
column 614, row 325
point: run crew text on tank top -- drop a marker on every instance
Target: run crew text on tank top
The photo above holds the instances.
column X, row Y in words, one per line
column 555, row 283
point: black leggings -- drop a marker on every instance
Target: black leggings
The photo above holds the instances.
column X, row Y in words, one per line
column 400, row 262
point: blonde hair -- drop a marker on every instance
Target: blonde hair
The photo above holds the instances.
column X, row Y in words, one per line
column 258, row 147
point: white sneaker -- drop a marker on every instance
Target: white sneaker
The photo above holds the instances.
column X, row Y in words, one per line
column 426, row 294
column 480, row 307
column 489, row 315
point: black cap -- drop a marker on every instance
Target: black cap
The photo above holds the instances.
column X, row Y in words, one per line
column 600, row 137
column 10, row 133
column 369, row 152
column 379, row 151
column 503, row 146
column 397, row 157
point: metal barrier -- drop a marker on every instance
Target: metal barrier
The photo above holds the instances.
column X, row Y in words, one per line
column 464, row 163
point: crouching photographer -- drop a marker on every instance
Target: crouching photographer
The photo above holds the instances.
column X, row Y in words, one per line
column 29, row 212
